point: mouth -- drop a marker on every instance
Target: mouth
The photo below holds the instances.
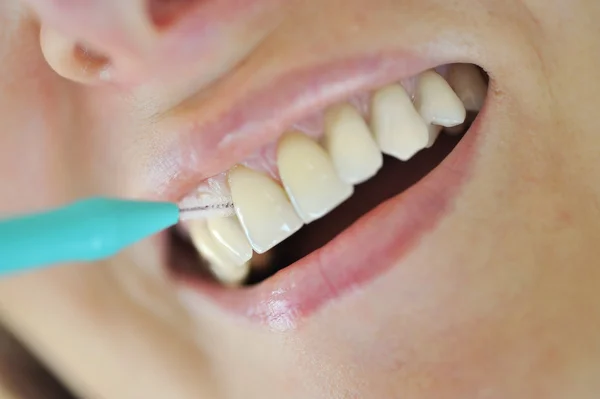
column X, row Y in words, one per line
column 335, row 199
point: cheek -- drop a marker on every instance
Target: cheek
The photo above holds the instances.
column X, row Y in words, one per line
column 425, row 342
column 37, row 145
column 484, row 304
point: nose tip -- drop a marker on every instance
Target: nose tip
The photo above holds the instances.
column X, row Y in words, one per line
column 93, row 40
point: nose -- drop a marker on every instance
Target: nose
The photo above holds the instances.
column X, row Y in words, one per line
column 95, row 40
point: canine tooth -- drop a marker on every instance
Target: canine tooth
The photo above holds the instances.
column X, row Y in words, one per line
column 263, row 209
column 399, row 129
column 350, row 144
column 222, row 266
column 309, row 177
column 469, row 85
column 436, row 101
column 229, row 233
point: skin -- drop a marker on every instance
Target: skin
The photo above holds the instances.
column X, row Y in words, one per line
column 500, row 300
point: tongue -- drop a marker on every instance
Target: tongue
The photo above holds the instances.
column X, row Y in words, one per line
column 392, row 179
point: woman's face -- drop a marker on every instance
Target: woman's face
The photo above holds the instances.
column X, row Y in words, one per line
column 480, row 281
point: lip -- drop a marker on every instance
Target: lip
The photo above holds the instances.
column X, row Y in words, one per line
column 353, row 258
column 232, row 126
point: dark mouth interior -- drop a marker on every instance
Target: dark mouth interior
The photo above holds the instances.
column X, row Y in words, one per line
column 394, row 178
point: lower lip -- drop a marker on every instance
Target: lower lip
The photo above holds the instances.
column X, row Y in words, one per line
column 353, row 258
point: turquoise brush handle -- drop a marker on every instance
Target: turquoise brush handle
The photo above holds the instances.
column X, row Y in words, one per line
column 84, row 231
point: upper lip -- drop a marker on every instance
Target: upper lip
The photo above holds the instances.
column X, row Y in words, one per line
column 232, row 119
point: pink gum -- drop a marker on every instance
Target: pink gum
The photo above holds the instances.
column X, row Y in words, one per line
column 265, row 160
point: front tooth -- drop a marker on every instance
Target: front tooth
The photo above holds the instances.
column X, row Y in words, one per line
column 263, row 209
column 436, row 101
column 348, row 140
column 222, row 266
column 468, row 83
column 398, row 127
column 230, row 234
column 309, row 177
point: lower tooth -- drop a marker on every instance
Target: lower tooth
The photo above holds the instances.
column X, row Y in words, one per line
column 225, row 269
column 309, row 177
column 397, row 126
column 229, row 233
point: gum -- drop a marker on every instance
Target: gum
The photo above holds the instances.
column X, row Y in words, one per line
column 265, row 159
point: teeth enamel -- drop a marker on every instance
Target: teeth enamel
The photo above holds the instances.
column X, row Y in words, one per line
column 309, row 177
column 398, row 127
column 263, row 209
column 436, row 101
column 348, row 140
column 469, row 85
column 229, row 233
column 227, row 270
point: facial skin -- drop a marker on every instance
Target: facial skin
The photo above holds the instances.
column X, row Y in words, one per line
column 500, row 300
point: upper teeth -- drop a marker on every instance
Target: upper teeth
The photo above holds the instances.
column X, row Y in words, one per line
column 316, row 179
column 309, row 177
column 437, row 103
column 399, row 129
column 263, row 209
column 469, row 85
column 350, row 144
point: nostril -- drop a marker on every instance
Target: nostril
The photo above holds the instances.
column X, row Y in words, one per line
column 72, row 60
column 90, row 62
column 164, row 13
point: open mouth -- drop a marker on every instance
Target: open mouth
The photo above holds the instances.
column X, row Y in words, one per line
column 323, row 178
